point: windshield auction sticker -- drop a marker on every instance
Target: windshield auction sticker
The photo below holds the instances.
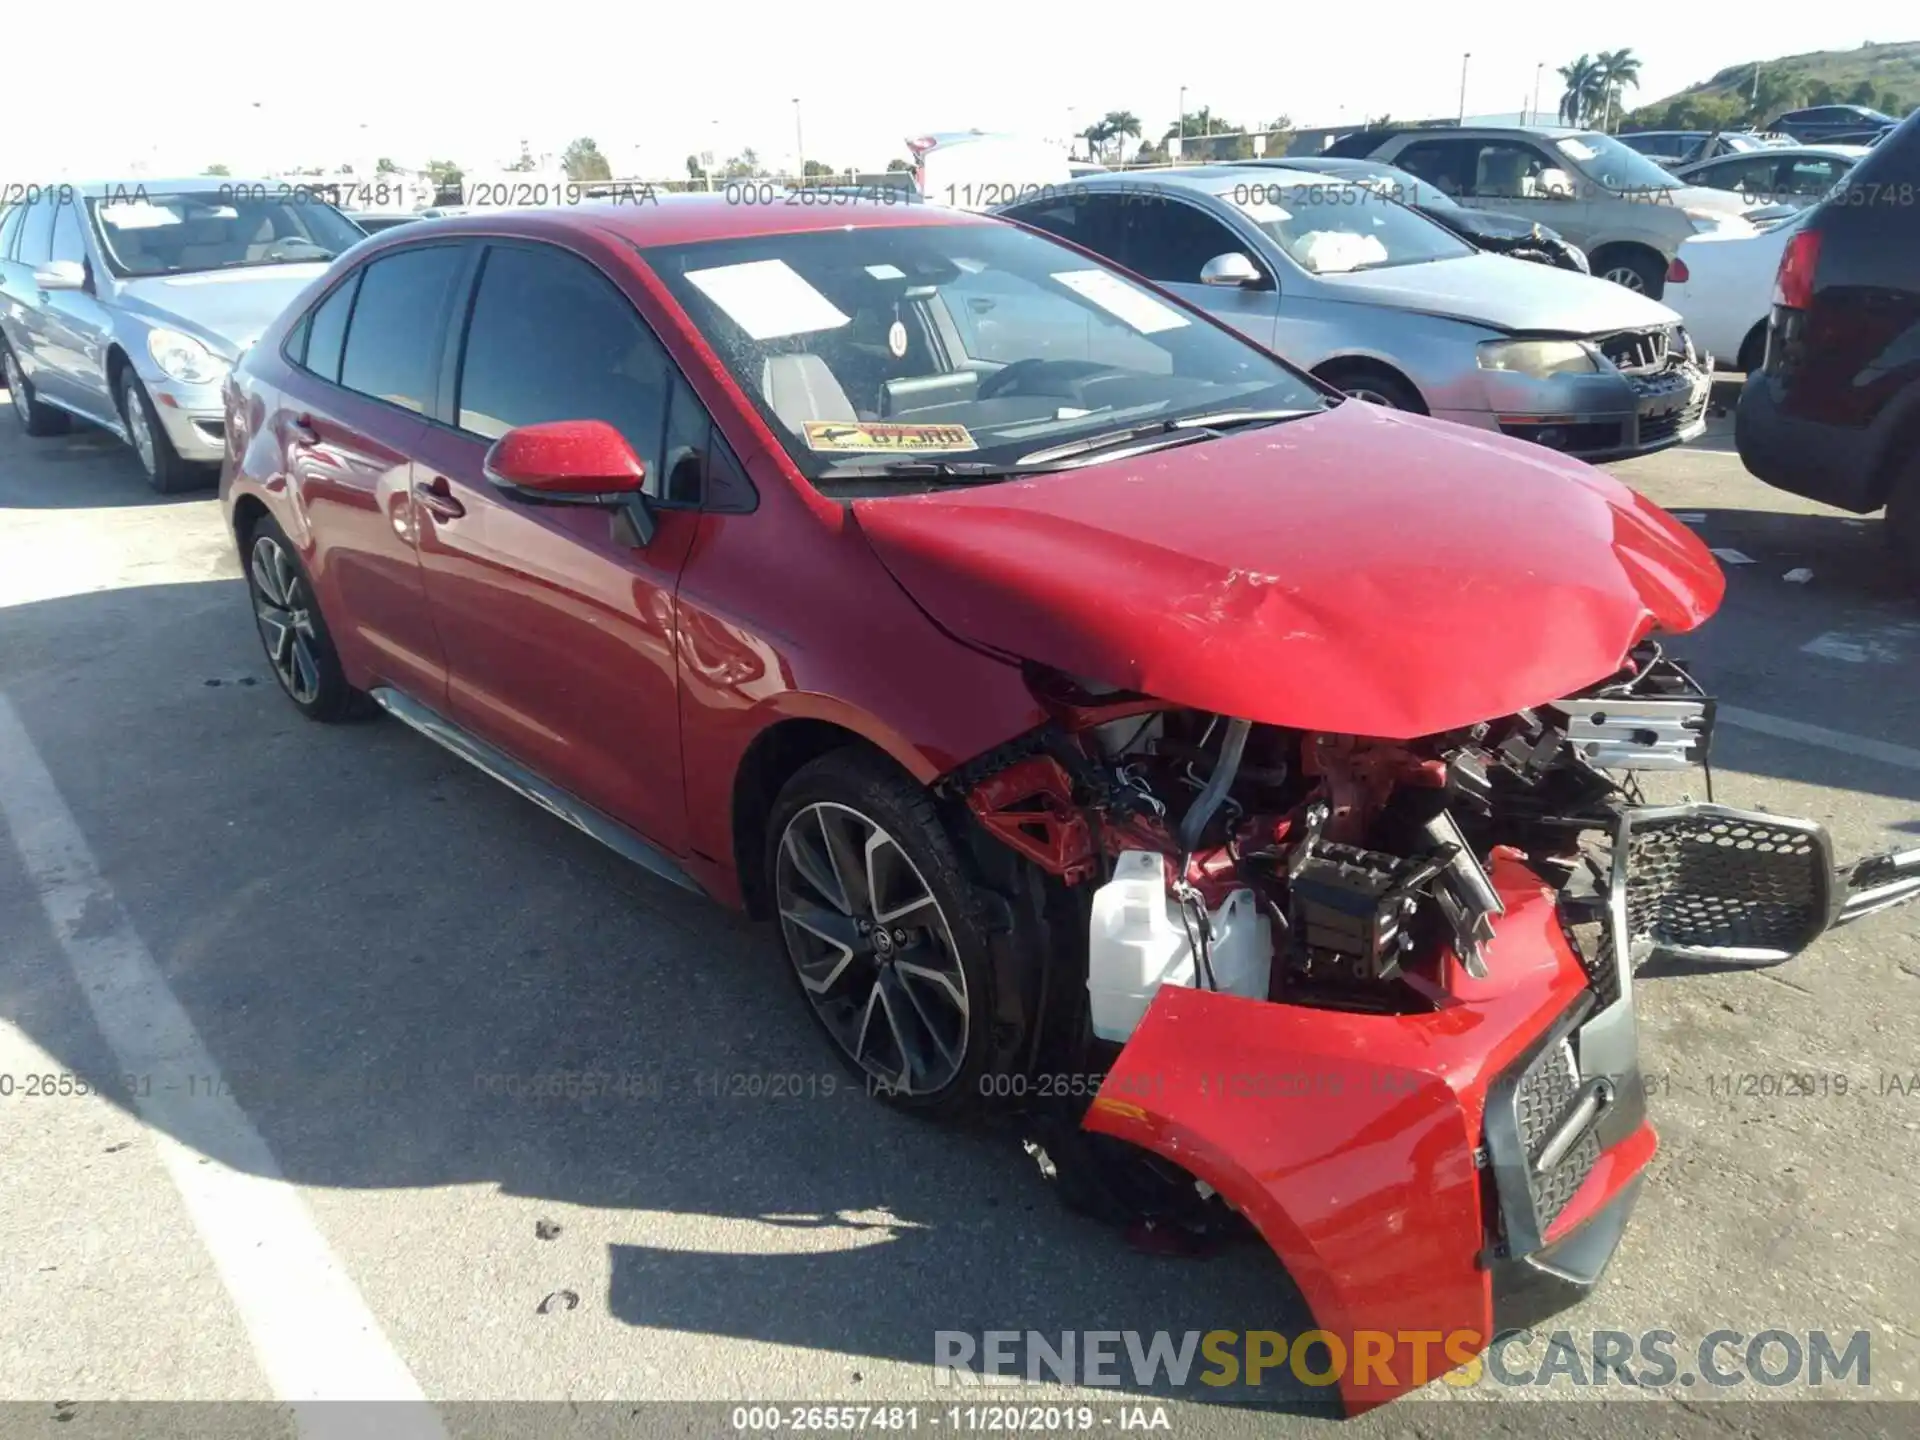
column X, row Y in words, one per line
column 768, row 299
column 839, row 435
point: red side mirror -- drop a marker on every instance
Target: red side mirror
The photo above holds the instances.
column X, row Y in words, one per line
column 566, row 458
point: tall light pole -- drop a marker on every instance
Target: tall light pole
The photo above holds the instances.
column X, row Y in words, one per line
column 1180, row 128
column 799, row 143
column 1463, row 85
column 1534, row 114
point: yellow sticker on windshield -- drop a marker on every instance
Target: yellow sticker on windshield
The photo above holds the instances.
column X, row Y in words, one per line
column 864, row 435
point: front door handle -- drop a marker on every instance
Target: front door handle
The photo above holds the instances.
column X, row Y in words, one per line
column 437, row 499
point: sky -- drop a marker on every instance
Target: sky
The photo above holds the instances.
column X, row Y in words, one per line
column 343, row 81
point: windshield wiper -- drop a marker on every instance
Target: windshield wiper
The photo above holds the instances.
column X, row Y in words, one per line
column 954, row 472
column 1202, row 427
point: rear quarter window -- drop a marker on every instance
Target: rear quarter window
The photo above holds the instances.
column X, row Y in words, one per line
column 397, row 327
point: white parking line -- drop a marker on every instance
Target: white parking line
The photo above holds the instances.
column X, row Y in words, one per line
column 311, row 1330
column 1781, row 728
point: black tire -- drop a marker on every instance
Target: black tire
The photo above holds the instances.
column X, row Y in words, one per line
column 867, row 785
column 1753, row 350
column 1903, row 522
column 1635, row 269
column 36, row 419
column 1376, row 386
column 300, row 653
column 166, row 472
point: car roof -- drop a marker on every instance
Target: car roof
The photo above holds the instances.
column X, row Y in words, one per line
column 1205, row 179
column 135, row 185
column 1441, row 132
column 1788, row 152
column 677, row 219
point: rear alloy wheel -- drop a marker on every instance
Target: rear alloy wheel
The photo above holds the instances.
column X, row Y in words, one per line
column 35, row 418
column 291, row 629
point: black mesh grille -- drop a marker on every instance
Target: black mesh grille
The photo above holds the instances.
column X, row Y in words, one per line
column 1545, row 1094
column 1592, row 941
column 1706, row 881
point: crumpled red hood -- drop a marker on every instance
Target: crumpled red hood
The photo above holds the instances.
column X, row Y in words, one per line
column 1362, row 572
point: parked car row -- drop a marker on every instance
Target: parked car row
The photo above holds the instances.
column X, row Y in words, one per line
column 1381, row 302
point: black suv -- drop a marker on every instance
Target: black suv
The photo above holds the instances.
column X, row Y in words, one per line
column 1834, row 414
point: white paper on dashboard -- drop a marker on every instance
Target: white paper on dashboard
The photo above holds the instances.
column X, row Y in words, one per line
column 767, row 299
column 1122, row 301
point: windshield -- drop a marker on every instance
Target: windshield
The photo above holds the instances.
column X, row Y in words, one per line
column 1399, row 185
column 1605, row 161
column 957, row 343
column 217, row 230
column 1329, row 228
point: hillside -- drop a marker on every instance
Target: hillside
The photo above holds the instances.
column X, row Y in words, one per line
column 1886, row 77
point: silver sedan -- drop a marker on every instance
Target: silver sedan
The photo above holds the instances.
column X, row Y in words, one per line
column 1390, row 307
column 124, row 303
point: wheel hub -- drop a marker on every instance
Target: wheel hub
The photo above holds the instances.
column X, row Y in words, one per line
column 285, row 620
column 872, row 948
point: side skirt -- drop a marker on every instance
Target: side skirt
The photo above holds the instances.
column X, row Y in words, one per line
column 516, row 777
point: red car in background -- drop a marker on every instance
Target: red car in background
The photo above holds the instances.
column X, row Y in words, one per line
column 913, row 580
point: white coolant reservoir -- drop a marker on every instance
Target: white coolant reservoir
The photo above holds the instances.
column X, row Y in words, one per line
column 1137, row 943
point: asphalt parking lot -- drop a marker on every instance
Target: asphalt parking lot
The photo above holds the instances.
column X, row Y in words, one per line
column 373, row 948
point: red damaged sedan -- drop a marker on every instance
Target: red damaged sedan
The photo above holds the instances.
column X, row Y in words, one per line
column 1077, row 689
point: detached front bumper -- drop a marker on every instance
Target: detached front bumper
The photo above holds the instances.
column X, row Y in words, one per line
column 1399, row 1165
column 1430, row 1179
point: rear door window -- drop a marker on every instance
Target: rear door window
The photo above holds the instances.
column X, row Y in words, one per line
column 1446, row 164
column 394, row 340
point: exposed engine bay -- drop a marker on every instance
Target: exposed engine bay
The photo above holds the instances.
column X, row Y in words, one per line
column 1371, row 877
column 1364, row 865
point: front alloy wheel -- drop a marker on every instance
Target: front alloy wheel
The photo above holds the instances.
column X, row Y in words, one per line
column 284, row 612
column 872, row 948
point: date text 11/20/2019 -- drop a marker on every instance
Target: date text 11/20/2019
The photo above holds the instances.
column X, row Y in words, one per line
column 960, row 1419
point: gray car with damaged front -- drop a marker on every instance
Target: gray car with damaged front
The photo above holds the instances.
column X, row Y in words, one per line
column 124, row 303
column 1383, row 303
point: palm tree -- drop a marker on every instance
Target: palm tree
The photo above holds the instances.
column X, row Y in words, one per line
column 1618, row 69
column 1577, row 101
column 1121, row 125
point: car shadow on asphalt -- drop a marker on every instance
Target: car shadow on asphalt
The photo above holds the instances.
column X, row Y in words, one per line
column 96, row 471
column 403, row 970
